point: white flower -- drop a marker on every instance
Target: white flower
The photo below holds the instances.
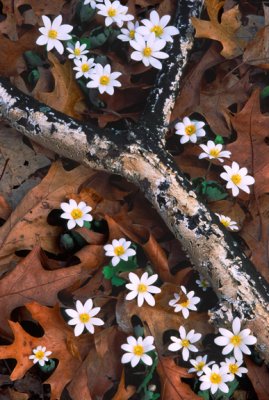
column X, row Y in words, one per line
column 82, row 317
column 114, row 12
column 40, row 355
column 119, row 250
column 84, row 66
column 202, row 283
column 198, row 365
column 237, row 178
column 214, row 151
column 76, row 213
column 214, row 379
column 137, row 349
column 158, row 26
column 103, row 79
column 92, row 3
column 142, row 288
column 129, row 33
column 148, row 50
column 77, row 51
column 190, row 130
column 186, row 304
column 236, row 341
column 227, row 222
column 233, row 366
column 53, row 32
column 185, row 342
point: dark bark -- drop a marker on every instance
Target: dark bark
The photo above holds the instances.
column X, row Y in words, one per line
column 139, row 155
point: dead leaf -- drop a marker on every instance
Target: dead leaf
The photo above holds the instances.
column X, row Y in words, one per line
column 124, row 393
column 224, row 31
column 172, row 386
column 27, row 224
column 29, row 281
column 259, row 378
column 66, row 96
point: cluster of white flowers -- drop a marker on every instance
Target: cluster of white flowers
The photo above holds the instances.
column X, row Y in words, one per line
column 149, row 39
column 216, row 377
column 101, row 77
column 236, row 177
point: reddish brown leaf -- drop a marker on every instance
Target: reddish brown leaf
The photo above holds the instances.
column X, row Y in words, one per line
column 259, row 378
column 124, row 393
column 172, row 387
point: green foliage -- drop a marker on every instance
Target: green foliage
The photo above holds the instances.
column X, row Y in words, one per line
column 99, row 36
column 49, row 366
column 219, row 395
column 219, row 139
column 33, row 77
column 209, row 190
column 112, row 273
column 265, row 92
column 86, row 13
column 148, row 394
column 32, row 59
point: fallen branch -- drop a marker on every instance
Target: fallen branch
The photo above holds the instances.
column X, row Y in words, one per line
column 139, row 155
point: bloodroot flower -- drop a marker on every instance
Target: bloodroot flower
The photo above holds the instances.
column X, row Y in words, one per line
column 40, row 355
column 202, row 283
column 237, row 178
column 198, row 365
column 185, row 342
column 158, row 26
column 137, row 349
column 77, row 51
column 234, row 367
column 190, row 130
column 103, row 79
column 148, row 51
column 119, row 250
column 236, row 341
column 53, row 33
column 227, row 222
column 215, row 378
column 83, row 317
column 142, row 288
column 184, row 305
column 76, row 213
column 214, row 151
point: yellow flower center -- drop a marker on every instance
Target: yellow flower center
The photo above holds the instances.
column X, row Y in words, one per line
column 132, row 34
column 104, row 80
column 40, row 354
column 158, row 30
column 236, row 340
column 85, row 67
column 225, row 222
column 215, row 378
column 119, row 250
column 142, row 288
column 52, row 34
column 77, row 52
column 236, row 179
column 84, row 318
column 200, row 366
column 214, row 152
column 185, row 343
column 185, row 303
column 147, row 51
column 111, row 12
column 138, row 350
column 233, row 368
column 190, row 130
column 76, row 213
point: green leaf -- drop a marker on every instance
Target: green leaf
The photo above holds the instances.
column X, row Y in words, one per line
column 149, row 374
column 219, row 139
column 99, row 36
column 86, row 13
column 33, row 60
column 33, row 76
column 48, row 367
column 87, row 225
column 138, row 330
column 265, row 92
column 67, row 242
column 117, row 281
column 79, row 240
column 213, row 191
column 204, row 394
column 108, row 272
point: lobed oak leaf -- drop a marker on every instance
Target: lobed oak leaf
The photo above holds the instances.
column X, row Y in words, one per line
column 124, row 393
column 258, row 376
column 27, row 225
column 66, row 95
column 224, row 31
column 172, row 386
column 30, row 281
column 57, row 338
